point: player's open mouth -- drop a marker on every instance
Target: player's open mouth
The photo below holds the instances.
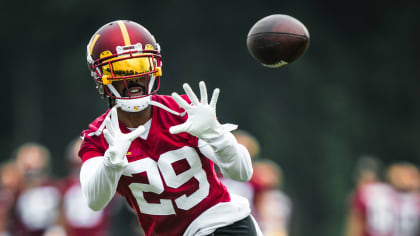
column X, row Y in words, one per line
column 134, row 91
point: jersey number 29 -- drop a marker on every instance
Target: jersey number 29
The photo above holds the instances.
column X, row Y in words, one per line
column 171, row 179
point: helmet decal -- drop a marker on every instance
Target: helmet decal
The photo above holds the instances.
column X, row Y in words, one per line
column 148, row 47
column 105, row 54
column 124, row 32
column 92, row 43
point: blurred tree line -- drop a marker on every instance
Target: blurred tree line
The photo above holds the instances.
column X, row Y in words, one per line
column 355, row 91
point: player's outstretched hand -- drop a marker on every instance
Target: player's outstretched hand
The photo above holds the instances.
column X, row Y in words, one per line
column 202, row 121
column 118, row 141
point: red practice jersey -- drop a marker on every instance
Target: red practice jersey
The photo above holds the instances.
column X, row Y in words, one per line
column 388, row 212
column 167, row 181
column 80, row 219
column 37, row 209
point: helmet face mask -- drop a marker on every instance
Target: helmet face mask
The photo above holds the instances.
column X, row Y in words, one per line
column 125, row 51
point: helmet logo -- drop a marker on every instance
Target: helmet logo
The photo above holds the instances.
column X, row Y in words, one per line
column 105, row 54
column 148, row 47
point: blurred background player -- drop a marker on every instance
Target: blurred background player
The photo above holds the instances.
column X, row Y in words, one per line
column 366, row 172
column 389, row 208
column 78, row 218
column 37, row 205
column 10, row 184
column 404, row 177
column 271, row 206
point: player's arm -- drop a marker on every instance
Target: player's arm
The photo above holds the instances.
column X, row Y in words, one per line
column 99, row 175
column 232, row 158
column 216, row 141
column 99, row 181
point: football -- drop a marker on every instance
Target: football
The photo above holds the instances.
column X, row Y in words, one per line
column 277, row 40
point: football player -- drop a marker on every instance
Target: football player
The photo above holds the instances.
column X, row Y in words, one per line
column 78, row 218
column 387, row 209
column 159, row 151
column 38, row 202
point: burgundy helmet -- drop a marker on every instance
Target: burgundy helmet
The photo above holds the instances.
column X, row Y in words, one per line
column 123, row 50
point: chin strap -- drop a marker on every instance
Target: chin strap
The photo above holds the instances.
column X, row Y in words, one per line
column 153, row 103
column 160, row 105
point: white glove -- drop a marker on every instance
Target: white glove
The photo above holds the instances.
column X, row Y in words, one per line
column 118, row 141
column 202, row 121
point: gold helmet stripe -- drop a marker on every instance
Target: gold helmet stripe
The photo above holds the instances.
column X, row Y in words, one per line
column 124, row 33
column 92, row 43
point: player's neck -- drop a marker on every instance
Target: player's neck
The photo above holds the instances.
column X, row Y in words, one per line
column 134, row 119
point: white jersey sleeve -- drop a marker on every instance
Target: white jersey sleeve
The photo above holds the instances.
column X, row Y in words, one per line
column 99, row 181
column 232, row 158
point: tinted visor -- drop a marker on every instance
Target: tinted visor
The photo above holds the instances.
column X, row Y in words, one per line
column 123, row 67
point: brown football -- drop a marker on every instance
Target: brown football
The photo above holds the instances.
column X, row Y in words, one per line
column 277, row 40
